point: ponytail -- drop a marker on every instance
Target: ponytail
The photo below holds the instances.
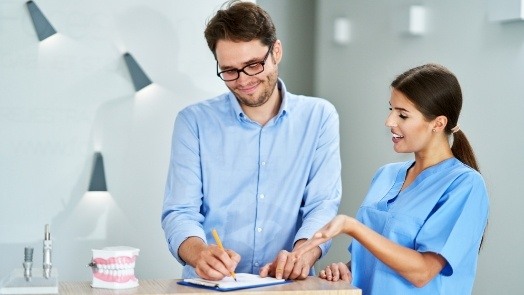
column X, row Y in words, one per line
column 463, row 151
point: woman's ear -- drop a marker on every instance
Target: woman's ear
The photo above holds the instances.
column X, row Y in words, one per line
column 439, row 123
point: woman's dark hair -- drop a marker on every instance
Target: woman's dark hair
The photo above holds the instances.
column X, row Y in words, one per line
column 435, row 91
column 240, row 21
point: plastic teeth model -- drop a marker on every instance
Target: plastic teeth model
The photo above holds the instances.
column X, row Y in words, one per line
column 114, row 267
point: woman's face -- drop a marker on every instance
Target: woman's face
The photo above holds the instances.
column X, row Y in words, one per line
column 411, row 131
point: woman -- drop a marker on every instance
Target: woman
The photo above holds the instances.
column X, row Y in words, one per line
column 421, row 224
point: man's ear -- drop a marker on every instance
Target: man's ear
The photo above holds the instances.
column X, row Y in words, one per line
column 277, row 51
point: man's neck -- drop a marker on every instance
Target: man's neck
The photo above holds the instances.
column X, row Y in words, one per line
column 262, row 114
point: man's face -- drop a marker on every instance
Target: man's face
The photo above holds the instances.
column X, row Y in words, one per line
column 251, row 90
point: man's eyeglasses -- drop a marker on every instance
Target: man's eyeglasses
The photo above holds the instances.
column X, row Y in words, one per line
column 250, row 70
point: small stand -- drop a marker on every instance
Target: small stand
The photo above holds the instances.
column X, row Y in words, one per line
column 17, row 284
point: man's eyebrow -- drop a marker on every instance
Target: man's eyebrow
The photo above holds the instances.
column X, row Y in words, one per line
column 248, row 62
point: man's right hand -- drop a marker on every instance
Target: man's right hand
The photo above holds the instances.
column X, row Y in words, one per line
column 210, row 262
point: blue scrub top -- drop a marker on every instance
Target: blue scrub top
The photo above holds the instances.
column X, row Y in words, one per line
column 444, row 210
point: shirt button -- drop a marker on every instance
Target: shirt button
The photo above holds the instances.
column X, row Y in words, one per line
column 262, row 196
column 263, row 163
column 259, row 229
column 256, row 264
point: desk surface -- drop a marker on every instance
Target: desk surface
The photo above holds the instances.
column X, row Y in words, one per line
column 310, row 286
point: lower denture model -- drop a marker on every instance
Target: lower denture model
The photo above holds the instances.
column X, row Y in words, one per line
column 114, row 267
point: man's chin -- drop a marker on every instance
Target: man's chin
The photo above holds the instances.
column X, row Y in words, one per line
column 250, row 102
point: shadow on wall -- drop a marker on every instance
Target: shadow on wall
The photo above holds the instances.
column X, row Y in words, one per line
column 133, row 133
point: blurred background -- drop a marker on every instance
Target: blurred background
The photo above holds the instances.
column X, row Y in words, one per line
column 71, row 95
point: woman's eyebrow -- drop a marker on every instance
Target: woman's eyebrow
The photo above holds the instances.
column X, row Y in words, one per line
column 398, row 108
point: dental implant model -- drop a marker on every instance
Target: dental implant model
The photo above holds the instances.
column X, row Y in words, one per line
column 28, row 263
column 25, row 281
column 114, row 267
column 48, row 245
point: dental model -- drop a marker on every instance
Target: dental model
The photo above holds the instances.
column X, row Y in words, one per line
column 114, row 267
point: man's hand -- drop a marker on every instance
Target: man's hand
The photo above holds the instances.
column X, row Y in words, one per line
column 289, row 266
column 210, row 262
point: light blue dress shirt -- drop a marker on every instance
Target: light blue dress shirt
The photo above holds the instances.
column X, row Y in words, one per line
column 261, row 187
column 444, row 211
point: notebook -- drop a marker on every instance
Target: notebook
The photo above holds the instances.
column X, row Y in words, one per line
column 244, row 281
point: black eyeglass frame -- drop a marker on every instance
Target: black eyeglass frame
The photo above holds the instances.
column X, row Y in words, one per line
column 262, row 63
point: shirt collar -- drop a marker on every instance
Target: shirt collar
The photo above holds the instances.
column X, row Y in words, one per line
column 283, row 106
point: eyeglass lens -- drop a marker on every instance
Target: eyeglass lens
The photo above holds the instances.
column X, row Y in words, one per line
column 250, row 69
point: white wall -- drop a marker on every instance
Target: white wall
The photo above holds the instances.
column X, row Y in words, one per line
column 488, row 59
column 61, row 100
column 65, row 97
column 295, row 23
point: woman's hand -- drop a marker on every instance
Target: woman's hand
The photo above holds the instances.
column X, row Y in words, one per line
column 335, row 272
column 334, row 227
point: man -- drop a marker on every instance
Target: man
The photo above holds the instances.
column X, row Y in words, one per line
column 258, row 164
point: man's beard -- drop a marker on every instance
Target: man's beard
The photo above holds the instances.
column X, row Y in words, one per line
column 263, row 97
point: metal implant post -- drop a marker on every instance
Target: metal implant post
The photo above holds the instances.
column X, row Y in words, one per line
column 28, row 263
column 47, row 253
